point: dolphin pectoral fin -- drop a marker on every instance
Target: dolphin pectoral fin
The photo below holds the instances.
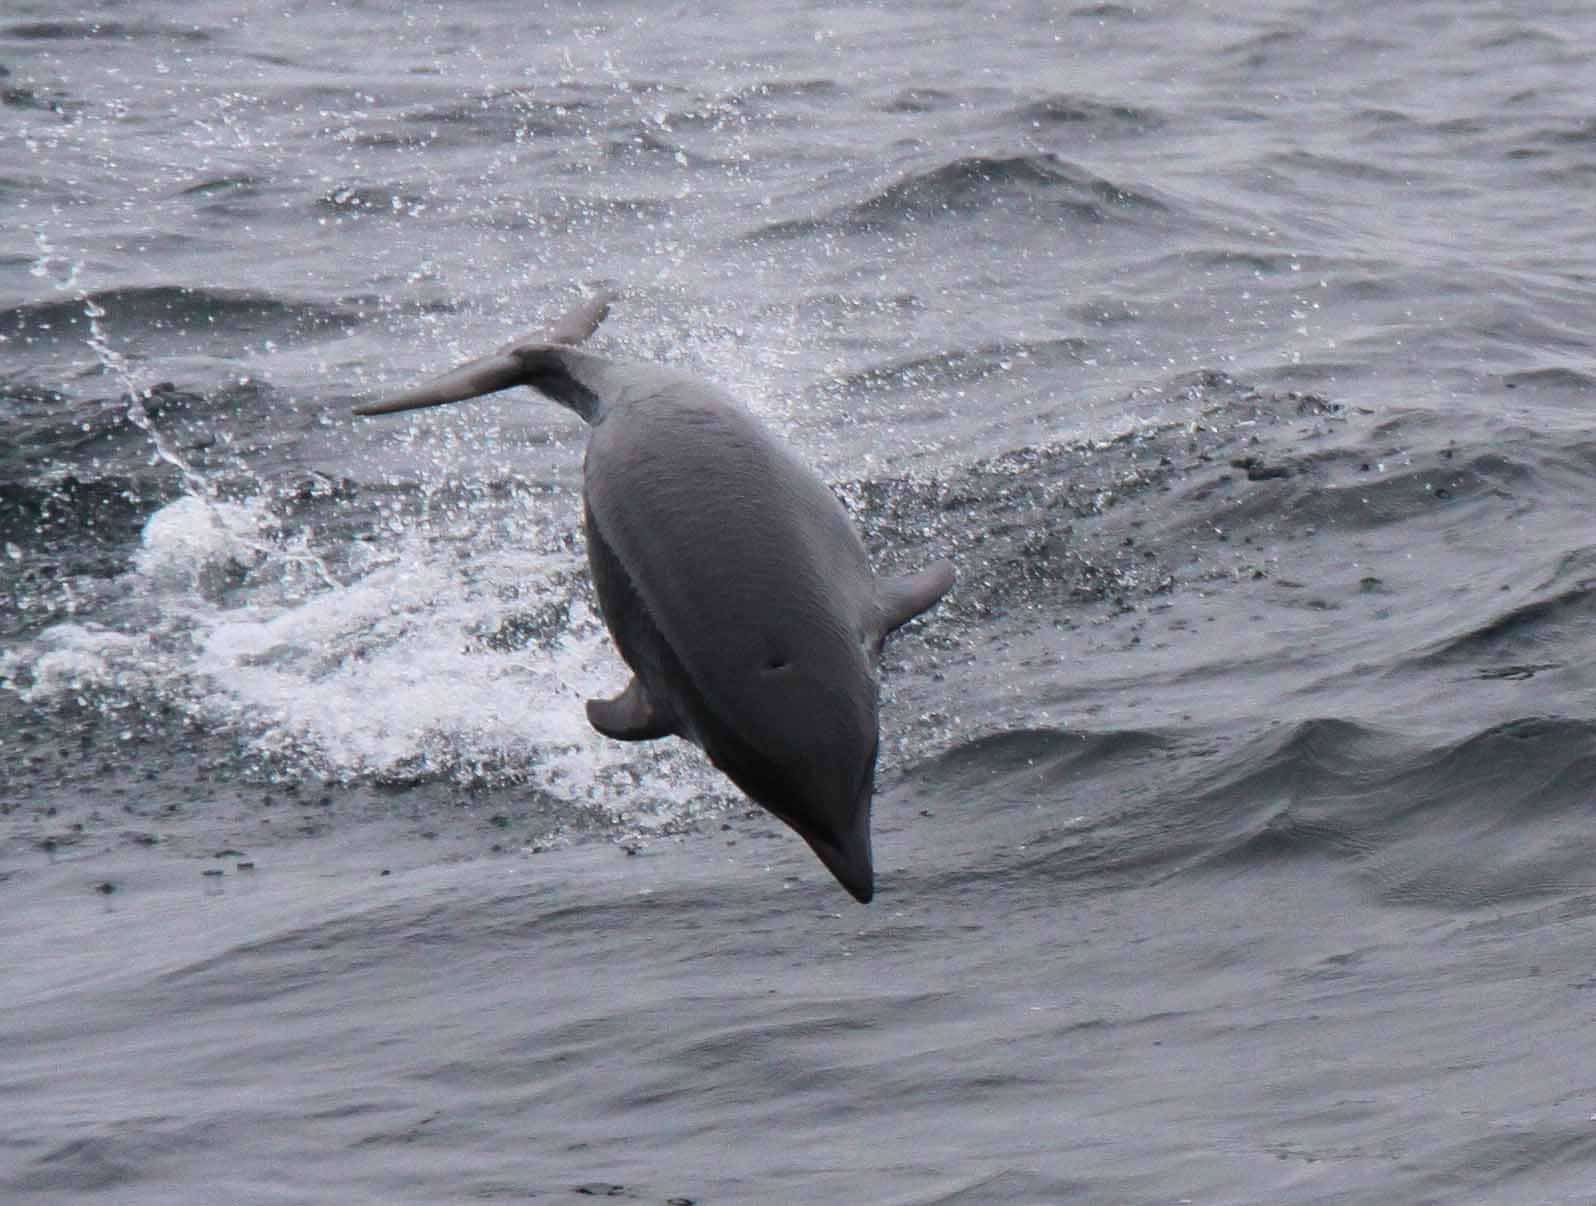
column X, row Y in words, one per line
column 630, row 716
column 901, row 599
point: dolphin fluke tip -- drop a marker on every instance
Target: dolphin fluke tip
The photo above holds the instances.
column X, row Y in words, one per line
column 574, row 326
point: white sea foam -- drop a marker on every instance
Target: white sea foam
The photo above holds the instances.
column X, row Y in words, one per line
column 69, row 660
column 396, row 674
column 196, row 543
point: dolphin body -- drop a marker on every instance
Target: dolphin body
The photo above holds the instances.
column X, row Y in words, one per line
column 731, row 579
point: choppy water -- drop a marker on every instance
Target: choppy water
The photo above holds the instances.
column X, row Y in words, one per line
column 1237, row 812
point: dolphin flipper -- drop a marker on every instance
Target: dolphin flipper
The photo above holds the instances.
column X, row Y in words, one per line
column 630, row 716
column 901, row 599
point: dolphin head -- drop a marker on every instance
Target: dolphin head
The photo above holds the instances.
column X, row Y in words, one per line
column 825, row 800
column 841, row 837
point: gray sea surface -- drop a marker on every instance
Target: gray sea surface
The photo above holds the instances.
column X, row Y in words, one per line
column 1236, row 816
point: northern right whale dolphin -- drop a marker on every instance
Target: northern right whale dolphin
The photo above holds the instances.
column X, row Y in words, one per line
column 731, row 579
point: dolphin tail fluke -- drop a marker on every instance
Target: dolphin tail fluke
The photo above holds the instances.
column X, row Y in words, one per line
column 575, row 325
column 516, row 363
column 486, row 376
column 901, row 599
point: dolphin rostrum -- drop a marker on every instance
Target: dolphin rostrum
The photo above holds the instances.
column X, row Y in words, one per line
column 730, row 577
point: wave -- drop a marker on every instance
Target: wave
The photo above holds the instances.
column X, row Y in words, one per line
column 377, row 200
column 513, row 115
column 942, row 370
column 1042, row 182
column 173, row 309
column 1558, row 378
column 1377, row 498
column 1517, row 640
column 32, row 98
column 86, row 28
column 1094, row 117
column 920, row 100
column 1030, row 759
column 1500, row 815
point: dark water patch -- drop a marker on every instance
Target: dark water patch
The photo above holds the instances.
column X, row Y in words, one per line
column 1011, row 1187
column 368, row 199
column 31, row 98
column 1285, row 52
column 107, row 510
column 816, row 87
column 1503, row 815
column 646, row 139
column 1041, row 186
column 58, row 539
column 223, row 184
column 100, row 436
column 1559, row 379
column 514, row 115
column 1107, row 311
column 1280, row 835
column 1563, row 618
column 768, row 104
column 125, row 756
column 1023, row 761
column 1580, row 133
column 1520, row 329
column 99, row 1163
column 1548, row 1162
column 132, row 315
column 1256, row 260
column 88, row 28
column 1089, row 114
column 1382, row 120
column 1059, row 525
column 1496, row 816
column 1304, row 498
column 930, row 374
column 920, row 100
column 1500, row 817
column 1285, row 795
column 1520, row 37
column 567, row 212
column 1302, row 166
column 228, row 198
column 1263, row 49
column 1107, row 12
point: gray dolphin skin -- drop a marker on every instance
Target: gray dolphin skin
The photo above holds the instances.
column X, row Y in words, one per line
column 731, row 579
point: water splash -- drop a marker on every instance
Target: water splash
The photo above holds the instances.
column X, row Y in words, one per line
column 239, row 525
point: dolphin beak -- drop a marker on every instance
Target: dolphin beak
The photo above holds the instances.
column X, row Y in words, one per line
column 847, row 855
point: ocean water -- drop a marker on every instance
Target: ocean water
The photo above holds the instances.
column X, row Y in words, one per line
column 1236, row 818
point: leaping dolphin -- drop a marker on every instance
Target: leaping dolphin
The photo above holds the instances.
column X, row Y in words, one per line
column 731, row 579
